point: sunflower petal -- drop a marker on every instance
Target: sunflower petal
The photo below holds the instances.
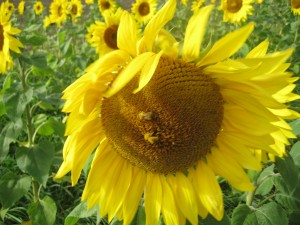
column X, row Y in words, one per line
column 194, row 33
column 128, row 73
column 127, row 41
column 153, row 198
column 227, row 46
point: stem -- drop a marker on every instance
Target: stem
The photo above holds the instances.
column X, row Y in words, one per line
column 30, row 128
column 35, row 190
column 250, row 194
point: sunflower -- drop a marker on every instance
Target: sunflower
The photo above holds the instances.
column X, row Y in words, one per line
column 166, row 121
column 38, row 7
column 107, row 6
column 236, row 11
column 21, row 7
column 58, row 11
column 74, row 9
column 103, row 35
column 7, row 40
column 295, row 6
column 9, row 8
column 196, row 5
column 143, row 10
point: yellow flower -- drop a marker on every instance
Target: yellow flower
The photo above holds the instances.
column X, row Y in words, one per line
column 74, row 9
column 58, row 11
column 38, row 7
column 107, row 6
column 21, row 7
column 166, row 122
column 259, row 1
column 295, row 6
column 9, row 8
column 236, row 11
column 196, row 5
column 143, row 10
column 7, row 40
column 89, row 2
column 103, row 35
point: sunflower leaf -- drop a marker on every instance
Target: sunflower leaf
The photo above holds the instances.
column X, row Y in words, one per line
column 42, row 212
column 240, row 214
column 12, row 188
column 80, row 211
column 36, row 160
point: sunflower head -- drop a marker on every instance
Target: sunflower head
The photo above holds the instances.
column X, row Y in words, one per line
column 74, row 8
column 38, row 7
column 107, row 6
column 21, row 7
column 236, row 11
column 144, row 10
column 295, row 6
column 58, row 11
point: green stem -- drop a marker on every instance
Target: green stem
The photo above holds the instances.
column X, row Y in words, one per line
column 35, row 190
column 30, row 128
column 250, row 194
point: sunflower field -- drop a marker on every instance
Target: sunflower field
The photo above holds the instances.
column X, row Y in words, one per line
column 147, row 112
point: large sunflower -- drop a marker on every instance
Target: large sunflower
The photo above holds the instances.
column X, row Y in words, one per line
column 295, row 6
column 7, row 40
column 103, row 35
column 165, row 121
column 143, row 10
column 236, row 11
column 58, row 11
column 38, row 7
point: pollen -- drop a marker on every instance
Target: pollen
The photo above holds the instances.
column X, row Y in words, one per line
column 170, row 124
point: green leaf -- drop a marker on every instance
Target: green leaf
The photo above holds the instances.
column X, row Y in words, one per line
column 16, row 101
column 288, row 171
column 8, row 135
column 80, row 211
column 2, row 107
column 36, row 160
column 33, row 39
column 42, row 212
column 295, row 153
column 51, row 126
column 209, row 220
column 140, row 217
column 268, row 214
column 265, row 181
column 12, row 188
column 240, row 214
column 296, row 126
column 39, row 60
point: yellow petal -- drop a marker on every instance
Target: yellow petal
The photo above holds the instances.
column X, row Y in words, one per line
column 259, row 51
column 208, row 190
column 148, row 71
column 164, row 15
column 168, row 208
column 185, row 196
column 194, row 33
column 228, row 168
column 127, row 34
column 128, row 73
column 153, row 198
column 134, row 194
column 227, row 46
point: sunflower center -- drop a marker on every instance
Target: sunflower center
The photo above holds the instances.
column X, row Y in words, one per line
column 234, row 6
column 170, row 124
column 74, row 10
column 110, row 36
column 296, row 4
column 59, row 11
column 105, row 4
column 144, row 9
